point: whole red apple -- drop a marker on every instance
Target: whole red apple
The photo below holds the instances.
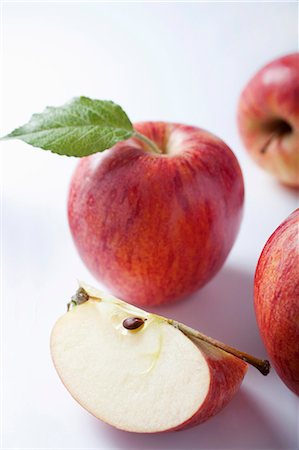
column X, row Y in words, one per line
column 155, row 227
column 268, row 118
column 277, row 299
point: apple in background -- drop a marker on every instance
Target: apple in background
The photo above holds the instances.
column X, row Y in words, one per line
column 156, row 227
column 268, row 118
column 142, row 372
column 277, row 299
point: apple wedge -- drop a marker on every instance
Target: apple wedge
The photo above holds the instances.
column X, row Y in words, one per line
column 141, row 372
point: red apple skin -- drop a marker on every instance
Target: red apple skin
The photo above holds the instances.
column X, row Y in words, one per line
column 276, row 295
column 154, row 228
column 268, row 118
column 227, row 373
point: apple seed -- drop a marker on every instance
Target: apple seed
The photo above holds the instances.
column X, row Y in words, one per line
column 132, row 323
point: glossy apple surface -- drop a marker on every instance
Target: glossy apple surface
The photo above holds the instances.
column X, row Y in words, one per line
column 154, row 228
column 147, row 380
column 277, row 299
column 268, row 118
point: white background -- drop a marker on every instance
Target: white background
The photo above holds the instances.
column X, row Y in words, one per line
column 166, row 61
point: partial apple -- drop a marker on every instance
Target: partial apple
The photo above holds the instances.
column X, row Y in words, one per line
column 268, row 118
column 141, row 372
column 155, row 227
column 277, row 299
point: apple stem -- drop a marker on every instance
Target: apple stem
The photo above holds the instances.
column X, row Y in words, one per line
column 262, row 365
column 148, row 141
column 282, row 128
column 268, row 142
column 81, row 296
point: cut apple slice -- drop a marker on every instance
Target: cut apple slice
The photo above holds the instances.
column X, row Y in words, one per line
column 138, row 371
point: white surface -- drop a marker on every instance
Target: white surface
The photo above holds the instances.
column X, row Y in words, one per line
column 175, row 62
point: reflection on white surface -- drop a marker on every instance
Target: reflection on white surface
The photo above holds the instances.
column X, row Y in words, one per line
column 176, row 62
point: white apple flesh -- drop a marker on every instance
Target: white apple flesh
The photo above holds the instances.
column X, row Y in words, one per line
column 150, row 379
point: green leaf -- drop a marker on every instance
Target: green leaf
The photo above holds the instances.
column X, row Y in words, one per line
column 79, row 128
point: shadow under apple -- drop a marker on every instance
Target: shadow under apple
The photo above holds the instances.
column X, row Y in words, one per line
column 224, row 310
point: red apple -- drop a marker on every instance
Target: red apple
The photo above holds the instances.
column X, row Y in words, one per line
column 268, row 118
column 277, row 300
column 155, row 227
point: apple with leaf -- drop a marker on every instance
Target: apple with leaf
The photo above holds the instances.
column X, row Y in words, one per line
column 155, row 216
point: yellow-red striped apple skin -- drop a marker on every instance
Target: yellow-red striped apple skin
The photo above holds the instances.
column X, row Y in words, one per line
column 276, row 296
column 154, row 228
column 268, row 118
column 227, row 373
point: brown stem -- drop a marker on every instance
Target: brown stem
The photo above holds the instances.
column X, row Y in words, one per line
column 279, row 127
column 81, row 296
column 268, row 142
column 262, row 365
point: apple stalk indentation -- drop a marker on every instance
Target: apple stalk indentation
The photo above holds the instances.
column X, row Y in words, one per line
column 280, row 129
